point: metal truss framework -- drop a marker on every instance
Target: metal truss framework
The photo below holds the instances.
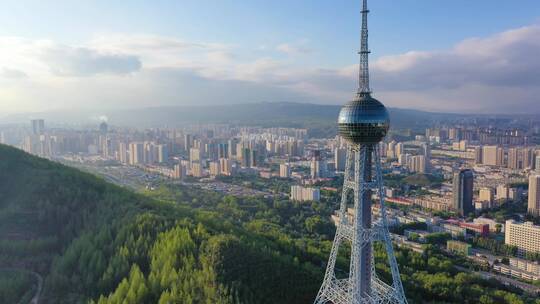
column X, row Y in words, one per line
column 362, row 284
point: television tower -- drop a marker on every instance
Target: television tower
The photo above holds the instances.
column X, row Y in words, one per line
column 363, row 123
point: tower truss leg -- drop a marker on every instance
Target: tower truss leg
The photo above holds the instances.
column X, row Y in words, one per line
column 363, row 176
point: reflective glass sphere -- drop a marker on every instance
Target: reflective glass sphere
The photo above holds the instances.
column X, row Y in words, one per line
column 364, row 120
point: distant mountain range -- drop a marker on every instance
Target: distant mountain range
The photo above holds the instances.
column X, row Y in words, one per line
column 259, row 113
column 263, row 114
column 251, row 113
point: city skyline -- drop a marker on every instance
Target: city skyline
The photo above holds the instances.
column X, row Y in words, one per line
column 104, row 56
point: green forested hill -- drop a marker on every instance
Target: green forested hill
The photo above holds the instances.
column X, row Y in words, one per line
column 94, row 242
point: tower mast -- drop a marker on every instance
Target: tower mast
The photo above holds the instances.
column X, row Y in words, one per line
column 363, row 123
column 363, row 76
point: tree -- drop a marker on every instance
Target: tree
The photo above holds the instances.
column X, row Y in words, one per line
column 314, row 224
column 485, row 299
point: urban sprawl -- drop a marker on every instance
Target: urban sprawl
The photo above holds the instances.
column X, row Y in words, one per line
column 476, row 188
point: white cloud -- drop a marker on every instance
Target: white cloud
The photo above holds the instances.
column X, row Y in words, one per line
column 81, row 61
column 12, row 73
column 493, row 74
column 296, row 48
column 504, row 60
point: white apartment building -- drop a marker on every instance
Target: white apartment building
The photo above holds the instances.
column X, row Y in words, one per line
column 525, row 236
column 299, row 193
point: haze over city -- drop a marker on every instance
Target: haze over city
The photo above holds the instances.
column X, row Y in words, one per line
column 479, row 56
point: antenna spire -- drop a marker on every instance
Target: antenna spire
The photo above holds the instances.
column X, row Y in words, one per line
column 363, row 77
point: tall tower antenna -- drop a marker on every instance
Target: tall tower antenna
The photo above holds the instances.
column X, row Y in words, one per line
column 363, row 75
column 363, row 123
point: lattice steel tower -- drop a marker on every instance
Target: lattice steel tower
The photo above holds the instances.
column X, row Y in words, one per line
column 363, row 123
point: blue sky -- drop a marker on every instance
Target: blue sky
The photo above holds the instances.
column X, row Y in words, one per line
column 329, row 26
column 245, row 37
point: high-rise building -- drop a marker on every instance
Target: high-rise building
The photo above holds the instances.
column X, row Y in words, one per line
column 214, row 168
column 318, row 165
column 295, row 148
column 486, row 195
column 340, row 157
column 525, row 236
column 425, row 150
column 196, row 170
column 318, row 168
column 404, row 159
column 285, row 170
column 245, row 157
column 28, row 145
column 500, row 156
column 463, row 187
column 537, row 163
column 270, row 146
column 211, row 150
column 463, row 145
column 453, row 134
column 195, row 155
column 106, row 146
column 225, row 166
column 478, row 155
column 223, row 150
column 199, row 144
column 527, row 158
column 417, row 163
column 299, row 193
column 400, row 149
column 534, row 195
column 149, row 156
column 122, row 153
column 188, row 142
column 136, row 153
column 391, row 152
column 254, row 159
column 240, row 152
column 492, row 155
column 514, row 161
column 232, row 147
column 162, row 153
column 503, row 192
column 179, row 171
column 38, row 126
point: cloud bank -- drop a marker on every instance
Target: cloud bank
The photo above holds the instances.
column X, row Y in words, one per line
column 80, row 61
column 500, row 73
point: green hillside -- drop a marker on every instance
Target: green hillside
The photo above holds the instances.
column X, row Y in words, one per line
column 94, row 242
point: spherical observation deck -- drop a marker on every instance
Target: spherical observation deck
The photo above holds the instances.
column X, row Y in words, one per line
column 364, row 120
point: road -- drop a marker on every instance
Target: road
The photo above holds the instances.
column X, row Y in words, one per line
column 512, row 282
column 531, row 289
column 35, row 299
column 39, row 278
